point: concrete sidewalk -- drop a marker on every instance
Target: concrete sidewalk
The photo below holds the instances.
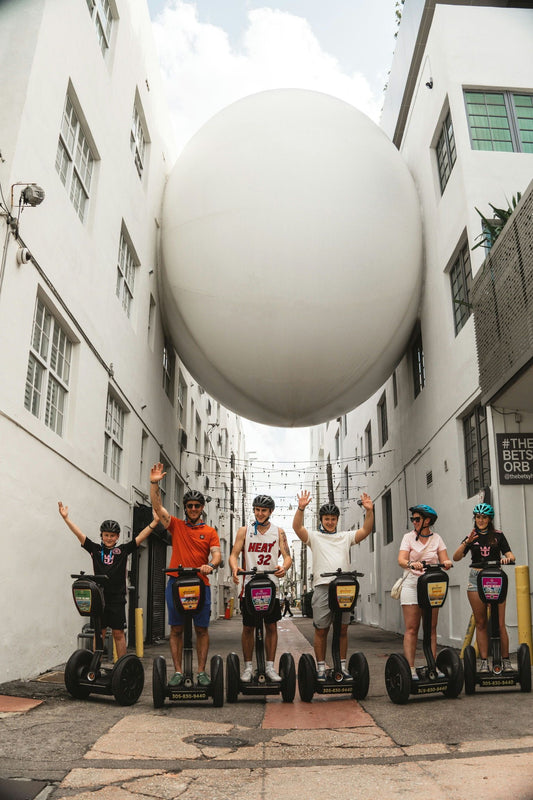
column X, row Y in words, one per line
column 262, row 748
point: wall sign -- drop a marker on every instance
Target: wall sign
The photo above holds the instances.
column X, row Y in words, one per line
column 515, row 457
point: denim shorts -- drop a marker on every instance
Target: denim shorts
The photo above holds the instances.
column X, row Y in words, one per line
column 200, row 619
column 322, row 613
column 472, row 579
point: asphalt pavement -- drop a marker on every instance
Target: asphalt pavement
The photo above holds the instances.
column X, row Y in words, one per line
column 53, row 746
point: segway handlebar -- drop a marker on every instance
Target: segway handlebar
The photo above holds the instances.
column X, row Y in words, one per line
column 255, row 571
column 340, row 571
column 95, row 578
column 180, row 570
column 492, row 563
column 426, row 565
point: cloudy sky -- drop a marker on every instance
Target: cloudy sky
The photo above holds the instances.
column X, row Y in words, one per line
column 214, row 52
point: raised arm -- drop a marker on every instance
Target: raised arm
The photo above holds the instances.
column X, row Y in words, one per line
column 63, row 510
column 304, row 498
column 235, row 553
column 157, row 474
column 368, row 523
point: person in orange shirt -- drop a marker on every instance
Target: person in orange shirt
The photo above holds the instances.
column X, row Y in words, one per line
column 193, row 544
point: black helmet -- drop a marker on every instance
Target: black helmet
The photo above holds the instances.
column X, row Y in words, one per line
column 425, row 511
column 194, row 495
column 329, row 508
column 110, row 526
column 264, row 501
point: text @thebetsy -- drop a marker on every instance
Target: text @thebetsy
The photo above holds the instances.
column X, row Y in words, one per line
column 515, row 457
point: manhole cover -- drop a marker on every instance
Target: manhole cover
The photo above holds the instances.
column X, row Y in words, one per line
column 219, row 740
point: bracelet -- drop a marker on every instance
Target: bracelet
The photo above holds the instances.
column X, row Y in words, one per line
column 301, row 509
column 154, row 481
column 153, row 529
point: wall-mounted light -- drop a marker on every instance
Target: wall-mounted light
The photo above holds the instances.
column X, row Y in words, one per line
column 429, row 83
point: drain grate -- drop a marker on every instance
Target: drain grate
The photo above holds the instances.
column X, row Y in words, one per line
column 218, row 740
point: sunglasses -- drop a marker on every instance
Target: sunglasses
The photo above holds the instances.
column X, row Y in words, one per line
column 193, row 505
column 415, row 519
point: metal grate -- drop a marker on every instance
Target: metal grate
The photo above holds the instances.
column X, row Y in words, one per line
column 502, row 299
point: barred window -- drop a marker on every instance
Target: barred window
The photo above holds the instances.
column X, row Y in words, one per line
column 114, row 437
column 446, row 152
column 137, row 140
column 74, row 159
column 48, row 373
column 461, row 283
column 126, row 266
column 501, row 121
column 476, row 444
column 102, row 16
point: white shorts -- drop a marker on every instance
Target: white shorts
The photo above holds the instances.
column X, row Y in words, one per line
column 409, row 596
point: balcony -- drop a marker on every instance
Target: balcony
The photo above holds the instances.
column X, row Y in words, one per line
column 502, row 301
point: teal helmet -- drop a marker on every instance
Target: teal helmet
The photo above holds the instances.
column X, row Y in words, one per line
column 484, row 508
column 425, row 511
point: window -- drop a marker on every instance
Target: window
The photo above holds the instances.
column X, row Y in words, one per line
column 144, row 445
column 500, row 121
column 394, row 389
column 417, row 362
column 126, row 265
column 182, row 399
column 446, row 152
column 169, row 361
column 137, row 138
column 74, row 159
column 346, row 484
column 368, row 442
column 383, row 421
column 113, row 437
column 100, row 11
column 476, row 450
column 178, row 495
column 48, row 375
column 337, row 445
column 386, row 509
column 461, row 282
column 163, row 483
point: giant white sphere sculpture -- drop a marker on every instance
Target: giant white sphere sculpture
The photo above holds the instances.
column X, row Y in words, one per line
column 291, row 244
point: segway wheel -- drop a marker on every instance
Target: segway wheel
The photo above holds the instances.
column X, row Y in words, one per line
column 398, row 678
column 232, row 677
column 159, row 681
column 524, row 668
column 448, row 661
column 358, row 669
column 217, row 681
column 306, row 677
column 287, row 670
column 469, row 659
column 127, row 680
column 75, row 670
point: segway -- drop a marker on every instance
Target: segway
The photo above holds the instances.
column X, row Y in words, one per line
column 343, row 592
column 84, row 673
column 492, row 588
column 259, row 596
column 432, row 589
column 188, row 594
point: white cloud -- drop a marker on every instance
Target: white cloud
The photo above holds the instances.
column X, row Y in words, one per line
column 203, row 73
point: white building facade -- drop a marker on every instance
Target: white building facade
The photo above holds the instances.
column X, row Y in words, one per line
column 459, row 107
column 93, row 391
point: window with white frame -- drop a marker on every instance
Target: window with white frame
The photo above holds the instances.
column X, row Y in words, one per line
column 417, row 362
column 126, row 266
column 74, row 159
column 48, row 374
column 178, row 495
column 446, row 152
column 182, row 399
column 137, row 139
column 476, row 447
column 500, row 121
column 115, row 416
column 461, row 284
column 368, row 442
column 169, row 361
column 102, row 16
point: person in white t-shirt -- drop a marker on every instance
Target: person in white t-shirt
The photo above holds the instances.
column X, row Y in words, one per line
column 331, row 550
column 420, row 544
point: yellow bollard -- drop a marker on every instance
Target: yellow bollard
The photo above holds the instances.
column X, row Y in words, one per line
column 139, row 633
column 469, row 635
column 231, row 604
column 115, row 654
column 523, row 606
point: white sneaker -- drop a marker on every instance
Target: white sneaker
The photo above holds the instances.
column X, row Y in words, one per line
column 246, row 676
column 507, row 666
column 414, row 674
column 272, row 675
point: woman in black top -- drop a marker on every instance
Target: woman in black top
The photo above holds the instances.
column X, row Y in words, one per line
column 485, row 543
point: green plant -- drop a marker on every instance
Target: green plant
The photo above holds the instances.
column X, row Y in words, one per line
column 492, row 227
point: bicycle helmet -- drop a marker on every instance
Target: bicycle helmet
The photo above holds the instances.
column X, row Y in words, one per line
column 329, row 508
column 484, row 508
column 110, row 526
column 425, row 511
column 195, row 496
column 264, row 501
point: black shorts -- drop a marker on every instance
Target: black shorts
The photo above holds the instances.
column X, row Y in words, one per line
column 115, row 615
column 249, row 619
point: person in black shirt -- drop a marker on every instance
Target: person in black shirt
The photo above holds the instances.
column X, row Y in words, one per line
column 110, row 558
column 485, row 543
